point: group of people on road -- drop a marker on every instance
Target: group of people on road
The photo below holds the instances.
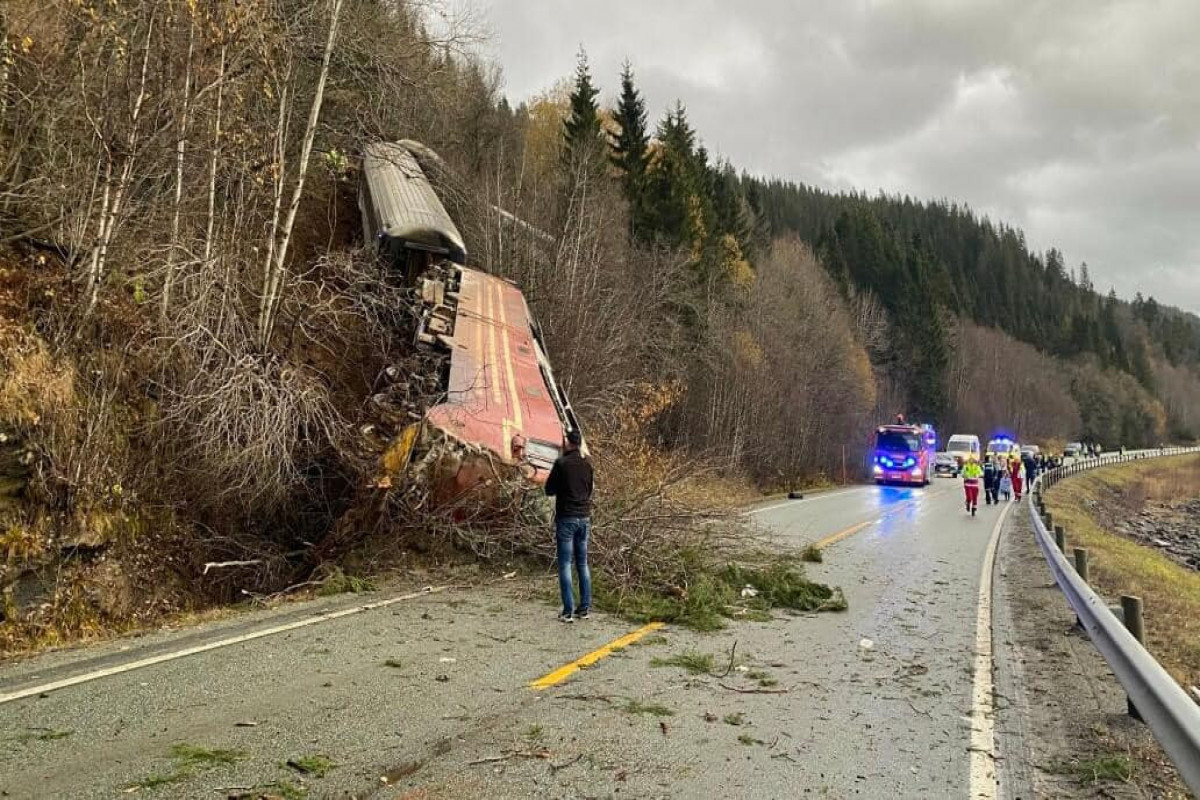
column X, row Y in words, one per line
column 1002, row 478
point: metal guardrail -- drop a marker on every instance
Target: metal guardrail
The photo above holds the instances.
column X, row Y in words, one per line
column 1171, row 714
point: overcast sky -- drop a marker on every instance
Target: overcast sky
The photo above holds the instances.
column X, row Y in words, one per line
column 1075, row 120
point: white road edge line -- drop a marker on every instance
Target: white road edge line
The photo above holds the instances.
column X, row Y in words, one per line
column 983, row 722
column 203, row 648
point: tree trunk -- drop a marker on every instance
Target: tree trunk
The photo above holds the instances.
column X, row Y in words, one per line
column 213, row 159
column 180, row 149
column 273, row 279
column 108, row 221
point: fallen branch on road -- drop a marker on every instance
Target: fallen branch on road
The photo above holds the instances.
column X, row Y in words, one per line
column 729, row 668
column 565, row 764
column 739, row 690
column 488, row 760
column 604, row 697
column 541, row 755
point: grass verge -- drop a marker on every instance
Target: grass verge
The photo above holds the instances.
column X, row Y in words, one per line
column 1119, row 566
column 1119, row 768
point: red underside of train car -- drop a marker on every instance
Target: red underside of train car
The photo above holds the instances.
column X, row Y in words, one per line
column 496, row 393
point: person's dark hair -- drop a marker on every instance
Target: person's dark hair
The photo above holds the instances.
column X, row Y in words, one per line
column 575, row 437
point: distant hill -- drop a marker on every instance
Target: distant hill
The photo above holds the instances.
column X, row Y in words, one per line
column 979, row 269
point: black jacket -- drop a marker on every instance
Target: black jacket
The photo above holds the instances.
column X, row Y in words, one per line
column 570, row 484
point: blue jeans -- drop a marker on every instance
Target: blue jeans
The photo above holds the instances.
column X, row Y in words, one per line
column 571, row 534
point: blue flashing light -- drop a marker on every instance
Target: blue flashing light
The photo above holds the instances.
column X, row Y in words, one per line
column 890, row 463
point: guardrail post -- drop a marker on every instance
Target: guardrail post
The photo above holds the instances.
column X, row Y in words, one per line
column 1081, row 563
column 1131, row 611
column 1081, row 569
column 1060, row 538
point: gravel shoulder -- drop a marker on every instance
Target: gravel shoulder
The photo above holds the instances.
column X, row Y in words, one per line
column 1060, row 712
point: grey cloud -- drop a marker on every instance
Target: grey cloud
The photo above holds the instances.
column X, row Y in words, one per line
column 1076, row 120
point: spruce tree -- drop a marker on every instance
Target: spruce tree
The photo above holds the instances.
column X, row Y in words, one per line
column 582, row 127
column 672, row 185
column 630, row 146
column 630, row 143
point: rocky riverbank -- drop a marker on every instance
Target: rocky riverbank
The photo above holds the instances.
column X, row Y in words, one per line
column 1171, row 528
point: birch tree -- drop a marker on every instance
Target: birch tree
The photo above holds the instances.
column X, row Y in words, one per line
column 278, row 253
column 180, row 151
column 114, row 192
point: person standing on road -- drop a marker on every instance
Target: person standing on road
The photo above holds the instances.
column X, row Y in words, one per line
column 1015, row 470
column 972, row 474
column 570, row 483
column 991, row 481
column 1005, row 481
column 1031, row 469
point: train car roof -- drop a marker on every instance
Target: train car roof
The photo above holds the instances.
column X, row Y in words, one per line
column 496, row 388
column 406, row 207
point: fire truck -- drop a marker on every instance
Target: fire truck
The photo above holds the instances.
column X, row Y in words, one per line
column 904, row 454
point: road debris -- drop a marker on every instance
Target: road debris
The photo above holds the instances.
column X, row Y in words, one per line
column 565, row 764
column 759, row 690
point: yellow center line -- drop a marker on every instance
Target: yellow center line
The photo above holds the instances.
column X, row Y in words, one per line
column 834, row 538
column 562, row 673
column 837, row 537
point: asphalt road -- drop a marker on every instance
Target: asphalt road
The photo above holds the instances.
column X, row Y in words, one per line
column 430, row 696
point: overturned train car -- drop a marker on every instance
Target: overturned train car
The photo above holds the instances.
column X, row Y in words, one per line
column 503, row 418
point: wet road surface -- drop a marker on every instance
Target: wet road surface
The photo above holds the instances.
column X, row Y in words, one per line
column 431, row 696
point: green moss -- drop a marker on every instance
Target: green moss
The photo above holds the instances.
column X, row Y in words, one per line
column 339, row 582
column 317, row 766
column 188, row 755
column 640, row 708
column 157, row 780
column 692, row 661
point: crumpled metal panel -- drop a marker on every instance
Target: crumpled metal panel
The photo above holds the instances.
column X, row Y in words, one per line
column 496, row 390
